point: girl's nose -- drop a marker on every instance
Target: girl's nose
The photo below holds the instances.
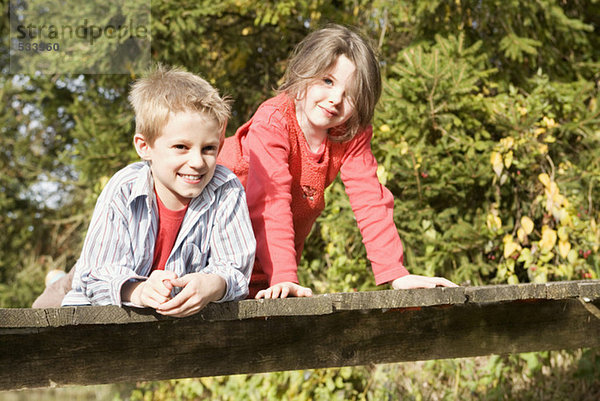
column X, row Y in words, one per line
column 335, row 97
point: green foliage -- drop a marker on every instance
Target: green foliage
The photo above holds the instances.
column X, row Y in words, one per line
column 540, row 376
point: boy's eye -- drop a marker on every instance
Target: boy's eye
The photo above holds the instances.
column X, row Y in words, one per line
column 179, row 147
column 210, row 149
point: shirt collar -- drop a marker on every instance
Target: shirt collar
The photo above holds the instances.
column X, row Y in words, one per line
column 144, row 184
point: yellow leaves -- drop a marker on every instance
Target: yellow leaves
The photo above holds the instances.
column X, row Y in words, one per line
column 497, row 163
column 493, row 222
column 549, row 122
column 246, row 31
column 525, row 229
column 563, row 248
column 103, row 181
column 527, row 224
column 544, row 179
column 510, row 247
column 549, row 139
column 548, row 239
column 556, row 203
column 593, row 105
column 403, row 147
column 384, row 128
column 503, row 158
column 508, row 159
column 507, row 143
column 563, row 234
column 381, row 174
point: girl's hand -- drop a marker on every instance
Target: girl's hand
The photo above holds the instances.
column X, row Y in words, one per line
column 282, row 290
column 416, row 281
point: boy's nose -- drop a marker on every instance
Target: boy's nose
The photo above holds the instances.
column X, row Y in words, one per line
column 196, row 160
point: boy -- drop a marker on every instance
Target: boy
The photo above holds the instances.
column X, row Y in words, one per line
column 172, row 232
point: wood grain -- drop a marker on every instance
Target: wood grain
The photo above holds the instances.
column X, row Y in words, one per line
column 93, row 345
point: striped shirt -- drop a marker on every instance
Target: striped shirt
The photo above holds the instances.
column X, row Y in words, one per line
column 215, row 237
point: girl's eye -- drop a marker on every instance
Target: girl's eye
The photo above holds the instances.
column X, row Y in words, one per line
column 327, row 81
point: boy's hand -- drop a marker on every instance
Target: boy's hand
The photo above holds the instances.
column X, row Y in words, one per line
column 152, row 292
column 415, row 281
column 198, row 290
column 282, row 290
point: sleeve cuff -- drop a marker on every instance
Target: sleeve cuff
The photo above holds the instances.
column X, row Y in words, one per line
column 390, row 275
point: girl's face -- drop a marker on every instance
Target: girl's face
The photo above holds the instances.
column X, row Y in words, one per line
column 326, row 103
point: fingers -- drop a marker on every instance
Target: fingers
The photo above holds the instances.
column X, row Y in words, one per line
column 283, row 290
column 174, row 302
column 183, row 281
column 305, row 292
column 149, row 297
column 263, row 294
column 442, row 282
column 198, row 290
column 182, row 305
column 412, row 281
column 160, row 282
column 168, row 284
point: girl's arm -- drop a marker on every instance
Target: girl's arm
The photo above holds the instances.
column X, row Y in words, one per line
column 268, row 191
column 373, row 206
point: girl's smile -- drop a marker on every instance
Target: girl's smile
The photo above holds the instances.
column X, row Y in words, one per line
column 326, row 103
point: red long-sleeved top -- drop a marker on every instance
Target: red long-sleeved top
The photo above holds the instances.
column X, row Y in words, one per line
column 285, row 183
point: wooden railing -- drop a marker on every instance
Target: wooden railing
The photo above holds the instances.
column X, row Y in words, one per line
column 92, row 345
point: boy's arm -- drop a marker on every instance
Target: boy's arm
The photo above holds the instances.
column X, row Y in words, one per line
column 232, row 244
column 107, row 260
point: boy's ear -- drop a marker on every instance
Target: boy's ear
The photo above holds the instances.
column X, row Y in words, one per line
column 141, row 146
column 222, row 137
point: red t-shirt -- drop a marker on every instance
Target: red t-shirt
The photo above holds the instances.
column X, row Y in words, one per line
column 169, row 222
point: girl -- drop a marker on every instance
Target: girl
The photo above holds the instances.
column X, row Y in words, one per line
column 293, row 148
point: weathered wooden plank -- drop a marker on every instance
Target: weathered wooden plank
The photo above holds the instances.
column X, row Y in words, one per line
column 91, row 345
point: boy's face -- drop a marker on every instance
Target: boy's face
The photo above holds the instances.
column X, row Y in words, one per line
column 183, row 158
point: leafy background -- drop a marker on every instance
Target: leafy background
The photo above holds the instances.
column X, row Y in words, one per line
column 487, row 134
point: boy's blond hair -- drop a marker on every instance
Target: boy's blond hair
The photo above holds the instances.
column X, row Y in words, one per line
column 170, row 90
column 317, row 53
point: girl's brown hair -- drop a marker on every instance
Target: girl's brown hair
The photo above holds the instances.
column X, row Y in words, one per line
column 316, row 54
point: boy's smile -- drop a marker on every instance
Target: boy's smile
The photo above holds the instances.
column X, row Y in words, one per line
column 183, row 158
